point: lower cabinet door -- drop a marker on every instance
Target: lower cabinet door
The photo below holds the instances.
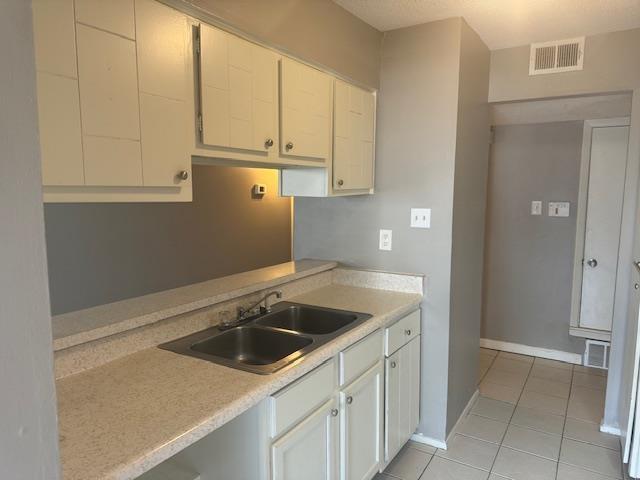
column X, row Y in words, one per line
column 402, row 397
column 361, row 426
column 309, row 451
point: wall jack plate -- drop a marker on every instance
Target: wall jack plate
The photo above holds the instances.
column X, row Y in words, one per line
column 420, row 217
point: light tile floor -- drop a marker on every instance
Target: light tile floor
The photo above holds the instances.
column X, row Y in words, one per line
column 535, row 419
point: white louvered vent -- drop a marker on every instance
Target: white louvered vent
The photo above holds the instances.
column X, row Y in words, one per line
column 557, row 56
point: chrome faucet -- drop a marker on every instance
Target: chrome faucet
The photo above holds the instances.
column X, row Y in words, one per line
column 243, row 313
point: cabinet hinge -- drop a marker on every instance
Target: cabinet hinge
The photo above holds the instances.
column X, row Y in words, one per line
column 197, row 42
column 200, row 123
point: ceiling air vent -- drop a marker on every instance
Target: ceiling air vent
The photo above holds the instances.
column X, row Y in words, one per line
column 557, row 56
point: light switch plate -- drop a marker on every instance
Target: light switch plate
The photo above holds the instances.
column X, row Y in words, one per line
column 536, row 207
column 420, row 217
column 385, row 240
column 559, row 209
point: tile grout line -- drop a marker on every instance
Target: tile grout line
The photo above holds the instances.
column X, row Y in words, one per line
column 510, row 419
column 564, row 424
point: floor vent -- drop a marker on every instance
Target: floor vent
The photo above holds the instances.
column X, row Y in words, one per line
column 557, row 56
column 596, row 354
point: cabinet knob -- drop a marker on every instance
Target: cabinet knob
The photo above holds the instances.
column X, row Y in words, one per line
column 592, row 262
column 268, row 143
column 340, row 182
column 349, row 400
column 183, row 175
column 407, row 332
column 289, row 146
column 394, row 364
column 334, row 412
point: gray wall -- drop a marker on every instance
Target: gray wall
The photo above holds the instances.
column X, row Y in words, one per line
column 100, row 253
column 415, row 164
column 318, row 31
column 611, row 63
column 529, row 259
column 469, row 200
column 28, row 429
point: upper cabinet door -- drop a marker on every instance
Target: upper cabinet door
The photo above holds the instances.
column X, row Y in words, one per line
column 58, row 103
column 306, row 111
column 109, row 106
column 161, row 43
column 238, row 92
column 115, row 16
column 353, row 145
column 54, row 37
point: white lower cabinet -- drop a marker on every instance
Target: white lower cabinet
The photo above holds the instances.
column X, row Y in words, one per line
column 402, row 397
column 310, row 448
column 361, row 426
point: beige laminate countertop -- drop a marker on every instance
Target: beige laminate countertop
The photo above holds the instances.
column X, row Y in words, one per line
column 83, row 326
column 121, row 419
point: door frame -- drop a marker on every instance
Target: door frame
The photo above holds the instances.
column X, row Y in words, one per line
column 581, row 222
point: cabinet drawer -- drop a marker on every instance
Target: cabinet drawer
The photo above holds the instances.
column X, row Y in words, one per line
column 360, row 357
column 401, row 332
column 293, row 403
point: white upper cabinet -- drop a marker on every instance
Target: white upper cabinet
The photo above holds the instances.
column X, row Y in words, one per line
column 115, row 16
column 58, row 95
column 161, row 42
column 112, row 100
column 238, row 93
column 353, row 135
column 54, row 37
column 305, row 111
column 109, row 104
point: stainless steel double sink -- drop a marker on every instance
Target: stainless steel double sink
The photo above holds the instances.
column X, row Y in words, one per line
column 266, row 343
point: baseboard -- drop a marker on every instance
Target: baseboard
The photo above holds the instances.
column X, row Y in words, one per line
column 464, row 413
column 610, row 429
column 568, row 357
column 418, row 437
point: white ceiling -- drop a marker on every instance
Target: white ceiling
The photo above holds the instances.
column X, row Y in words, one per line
column 505, row 23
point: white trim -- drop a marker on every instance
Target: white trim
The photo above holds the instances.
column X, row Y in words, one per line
column 590, row 333
column 464, row 414
column 581, row 213
column 568, row 357
column 610, row 430
column 420, row 438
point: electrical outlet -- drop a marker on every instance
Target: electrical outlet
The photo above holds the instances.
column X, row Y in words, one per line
column 420, row 217
column 536, row 207
column 385, row 240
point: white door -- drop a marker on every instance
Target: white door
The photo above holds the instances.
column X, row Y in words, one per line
column 361, row 426
column 310, row 449
column 402, row 397
column 602, row 230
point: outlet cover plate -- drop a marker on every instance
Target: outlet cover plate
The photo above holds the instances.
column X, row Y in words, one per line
column 385, row 240
column 420, row 217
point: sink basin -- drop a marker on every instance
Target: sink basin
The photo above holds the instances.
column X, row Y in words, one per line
column 252, row 346
column 306, row 319
column 268, row 342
